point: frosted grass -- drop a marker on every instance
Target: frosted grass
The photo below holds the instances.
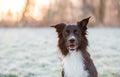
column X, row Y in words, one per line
column 32, row 52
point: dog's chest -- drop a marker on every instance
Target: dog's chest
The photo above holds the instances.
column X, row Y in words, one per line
column 74, row 65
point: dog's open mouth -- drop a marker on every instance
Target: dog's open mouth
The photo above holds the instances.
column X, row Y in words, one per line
column 72, row 47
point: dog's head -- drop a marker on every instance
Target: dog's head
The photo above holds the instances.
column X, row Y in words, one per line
column 72, row 36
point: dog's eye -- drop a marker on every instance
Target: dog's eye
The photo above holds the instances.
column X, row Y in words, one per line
column 66, row 32
column 76, row 32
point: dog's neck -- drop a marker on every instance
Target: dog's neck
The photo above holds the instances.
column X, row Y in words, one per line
column 73, row 64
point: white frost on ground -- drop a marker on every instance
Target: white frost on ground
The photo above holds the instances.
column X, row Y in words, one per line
column 32, row 52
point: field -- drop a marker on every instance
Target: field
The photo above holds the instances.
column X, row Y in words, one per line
column 33, row 52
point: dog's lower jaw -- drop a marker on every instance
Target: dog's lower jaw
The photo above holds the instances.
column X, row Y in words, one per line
column 73, row 64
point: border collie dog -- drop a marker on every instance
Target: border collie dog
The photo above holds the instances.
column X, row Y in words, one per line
column 72, row 43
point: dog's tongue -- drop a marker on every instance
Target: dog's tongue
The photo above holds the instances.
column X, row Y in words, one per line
column 72, row 46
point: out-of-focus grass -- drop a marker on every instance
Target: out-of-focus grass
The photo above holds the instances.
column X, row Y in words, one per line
column 109, row 74
column 8, row 75
column 33, row 52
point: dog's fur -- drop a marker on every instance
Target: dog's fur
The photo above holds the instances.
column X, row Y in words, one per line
column 73, row 46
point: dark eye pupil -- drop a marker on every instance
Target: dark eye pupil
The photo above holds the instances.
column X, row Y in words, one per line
column 76, row 32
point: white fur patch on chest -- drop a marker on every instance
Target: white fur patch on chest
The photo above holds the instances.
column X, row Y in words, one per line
column 74, row 65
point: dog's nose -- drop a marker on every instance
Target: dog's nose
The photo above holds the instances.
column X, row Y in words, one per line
column 72, row 40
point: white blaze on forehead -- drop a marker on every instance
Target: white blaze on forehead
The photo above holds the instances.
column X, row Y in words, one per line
column 72, row 37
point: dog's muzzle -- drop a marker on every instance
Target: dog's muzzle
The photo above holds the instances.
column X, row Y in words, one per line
column 72, row 44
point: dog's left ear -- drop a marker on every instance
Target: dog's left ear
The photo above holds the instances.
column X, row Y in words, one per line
column 83, row 24
column 59, row 27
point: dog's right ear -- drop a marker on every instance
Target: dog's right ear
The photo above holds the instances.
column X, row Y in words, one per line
column 59, row 27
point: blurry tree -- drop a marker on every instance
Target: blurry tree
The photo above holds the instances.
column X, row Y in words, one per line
column 69, row 11
column 88, row 7
column 101, row 11
column 50, row 13
column 25, row 9
column 97, row 11
column 59, row 11
column 117, row 6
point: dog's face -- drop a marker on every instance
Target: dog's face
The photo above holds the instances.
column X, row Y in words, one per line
column 72, row 35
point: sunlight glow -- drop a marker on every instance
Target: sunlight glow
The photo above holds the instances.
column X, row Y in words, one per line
column 13, row 5
column 12, row 9
column 37, row 11
column 42, row 2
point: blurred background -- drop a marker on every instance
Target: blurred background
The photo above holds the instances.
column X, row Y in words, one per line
column 28, row 46
column 36, row 13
